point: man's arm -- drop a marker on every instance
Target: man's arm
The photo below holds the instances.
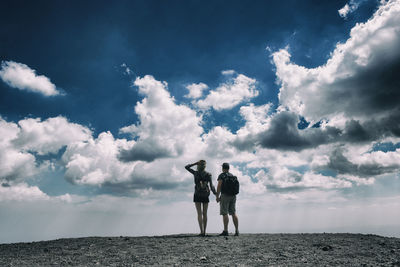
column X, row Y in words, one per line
column 219, row 189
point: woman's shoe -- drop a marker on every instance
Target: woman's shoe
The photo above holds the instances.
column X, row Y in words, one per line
column 224, row 233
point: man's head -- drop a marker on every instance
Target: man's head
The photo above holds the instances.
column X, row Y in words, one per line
column 225, row 167
column 201, row 165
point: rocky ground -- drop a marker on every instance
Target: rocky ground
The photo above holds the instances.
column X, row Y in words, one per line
column 191, row 250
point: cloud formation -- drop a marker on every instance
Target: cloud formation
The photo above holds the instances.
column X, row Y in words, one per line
column 230, row 94
column 353, row 98
column 350, row 7
column 22, row 141
column 340, row 99
column 371, row 164
column 15, row 164
column 196, row 90
column 94, row 161
column 50, row 135
column 18, row 75
column 166, row 129
column 358, row 81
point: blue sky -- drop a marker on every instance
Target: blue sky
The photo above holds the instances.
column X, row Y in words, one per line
column 102, row 105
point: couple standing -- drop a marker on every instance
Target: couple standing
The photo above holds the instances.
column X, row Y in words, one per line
column 228, row 187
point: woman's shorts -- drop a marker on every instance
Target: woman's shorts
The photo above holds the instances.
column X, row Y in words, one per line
column 197, row 198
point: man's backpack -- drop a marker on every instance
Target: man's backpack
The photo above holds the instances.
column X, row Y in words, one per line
column 230, row 185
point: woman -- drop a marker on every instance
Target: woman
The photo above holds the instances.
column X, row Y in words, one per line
column 202, row 180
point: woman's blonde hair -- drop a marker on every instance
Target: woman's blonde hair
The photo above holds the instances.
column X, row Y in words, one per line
column 202, row 165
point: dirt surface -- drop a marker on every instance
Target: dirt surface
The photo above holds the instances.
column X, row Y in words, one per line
column 212, row 250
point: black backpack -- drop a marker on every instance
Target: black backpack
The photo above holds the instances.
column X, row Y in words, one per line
column 230, row 185
column 201, row 188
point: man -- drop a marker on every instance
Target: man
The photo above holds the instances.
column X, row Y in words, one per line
column 227, row 200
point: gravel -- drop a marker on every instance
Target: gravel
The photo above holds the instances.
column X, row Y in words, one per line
column 212, row 250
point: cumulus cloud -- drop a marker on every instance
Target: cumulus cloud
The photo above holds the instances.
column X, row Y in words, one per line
column 21, row 192
column 94, row 161
column 150, row 160
column 281, row 131
column 359, row 80
column 355, row 94
column 196, row 90
column 230, row 94
column 340, row 97
column 22, row 141
column 20, row 76
column 365, row 165
column 280, row 178
column 217, row 142
column 14, row 163
column 166, row 129
column 257, row 118
column 50, row 135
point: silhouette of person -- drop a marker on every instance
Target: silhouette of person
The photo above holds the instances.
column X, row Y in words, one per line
column 227, row 201
column 203, row 182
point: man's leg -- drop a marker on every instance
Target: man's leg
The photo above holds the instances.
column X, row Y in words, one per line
column 224, row 212
column 235, row 222
column 199, row 216
column 226, row 221
column 205, row 207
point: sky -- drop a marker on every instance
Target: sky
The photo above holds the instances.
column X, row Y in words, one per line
column 103, row 104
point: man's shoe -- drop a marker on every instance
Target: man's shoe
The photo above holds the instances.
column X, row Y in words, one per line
column 224, row 233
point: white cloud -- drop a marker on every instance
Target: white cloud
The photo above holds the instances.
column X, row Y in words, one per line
column 344, row 11
column 165, row 131
column 230, row 94
column 167, row 128
column 14, row 163
column 21, row 192
column 280, row 177
column 352, row 79
column 217, row 142
column 350, row 7
column 20, row 141
column 196, row 90
column 95, row 161
column 228, row 72
column 50, row 135
column 257, row 118
column 20, row 76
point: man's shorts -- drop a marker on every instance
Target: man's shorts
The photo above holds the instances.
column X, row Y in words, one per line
column 227, row 205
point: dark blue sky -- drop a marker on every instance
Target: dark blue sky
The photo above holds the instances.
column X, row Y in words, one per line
column 80, row 47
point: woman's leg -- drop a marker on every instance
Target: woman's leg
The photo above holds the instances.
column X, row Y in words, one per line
column 199, row 216
column 205, row 207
